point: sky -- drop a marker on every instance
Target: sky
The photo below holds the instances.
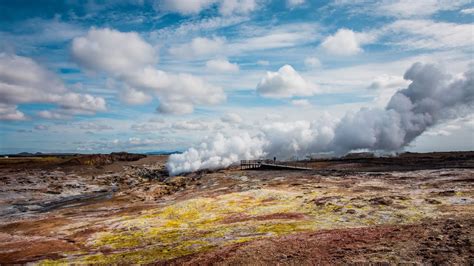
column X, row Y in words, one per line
column 142, row 75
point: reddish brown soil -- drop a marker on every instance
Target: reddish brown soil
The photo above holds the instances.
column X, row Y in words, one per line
column 273, row 216
column 445, row 242
column 24, row 251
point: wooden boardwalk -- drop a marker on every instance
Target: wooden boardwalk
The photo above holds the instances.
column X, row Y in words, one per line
column 268, row 164
column 250, row 164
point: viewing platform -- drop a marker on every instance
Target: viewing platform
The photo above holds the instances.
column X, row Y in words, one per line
column 269, row 165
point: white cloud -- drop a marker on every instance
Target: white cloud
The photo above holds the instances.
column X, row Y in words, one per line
column 185, row 7
column 10, row 112
column 263, row 62
column 250, row 38
column 177, row 108
column 198, row 25
column 242, row 7
column 408, row 8
column 199, row 47
column 232, row 118
column 177, row 93
column 222, row 65
column 402, row 8
column 40, row 32
column 94, row 126
column 132, row 143
column 294, row 3
column 53, row 115
column 301, row 103
column 190, row 125
column 285, row 83
column 385, row 86
column 148, row 127
column 41, row 127
column 468, row 11
column 22, row 80
column 112, row 51
column 388, row 82
column 225, row 7
column 132, row 96
column 312, row 62
column 289, row 35
column 75, row 103
column 346, row 42
column 428, row 34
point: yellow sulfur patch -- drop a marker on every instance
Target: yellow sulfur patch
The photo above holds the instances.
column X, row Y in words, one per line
column 197, row 225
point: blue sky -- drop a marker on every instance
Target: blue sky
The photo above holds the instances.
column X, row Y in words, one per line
column 138, row 75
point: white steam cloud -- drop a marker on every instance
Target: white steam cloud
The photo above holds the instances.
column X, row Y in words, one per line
column 433, row 96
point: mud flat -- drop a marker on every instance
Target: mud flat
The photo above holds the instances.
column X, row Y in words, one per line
column 389, row 210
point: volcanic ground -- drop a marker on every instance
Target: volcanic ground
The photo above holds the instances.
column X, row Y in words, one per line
column 414, row 208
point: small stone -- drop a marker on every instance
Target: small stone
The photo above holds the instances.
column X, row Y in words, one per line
column 433, row 201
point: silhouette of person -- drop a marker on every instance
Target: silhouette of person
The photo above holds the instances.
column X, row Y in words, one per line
column 274, row 160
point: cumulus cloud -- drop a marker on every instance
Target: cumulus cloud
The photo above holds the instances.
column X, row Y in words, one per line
column 22, row 80
column 312, row 62
column 285, row 83
column 10, row 112
column 177, row 108
column 263, row 62
column 468, row 11
column 385, row 86
column 239, row 7
column 301, row 103
column 294, row 3
column 225, row 7
column 112, row 51
column 94, row 126
column 185, row 7
column 177, row 93
column 346, row 42
column 132, row 96
column 198, row 47
column 190, row 125
column 232, row 118
column 132, row 143
column 387, row 82
column 432, row 97
column 148, row 127
column 53, row 115
column 222, row 65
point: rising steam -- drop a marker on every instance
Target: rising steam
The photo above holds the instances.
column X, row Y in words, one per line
column 432, row 97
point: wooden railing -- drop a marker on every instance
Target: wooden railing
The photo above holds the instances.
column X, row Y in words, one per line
column 250, row 164
column 255, row 164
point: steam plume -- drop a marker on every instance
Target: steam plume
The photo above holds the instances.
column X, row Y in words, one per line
column 432, row 97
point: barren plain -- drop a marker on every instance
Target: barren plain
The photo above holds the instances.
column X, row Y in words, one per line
column 105, row 209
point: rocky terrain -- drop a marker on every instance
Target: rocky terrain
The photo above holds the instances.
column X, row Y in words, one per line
column 415, row 208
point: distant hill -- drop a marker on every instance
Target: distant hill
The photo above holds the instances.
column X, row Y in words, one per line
column 162, row 152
